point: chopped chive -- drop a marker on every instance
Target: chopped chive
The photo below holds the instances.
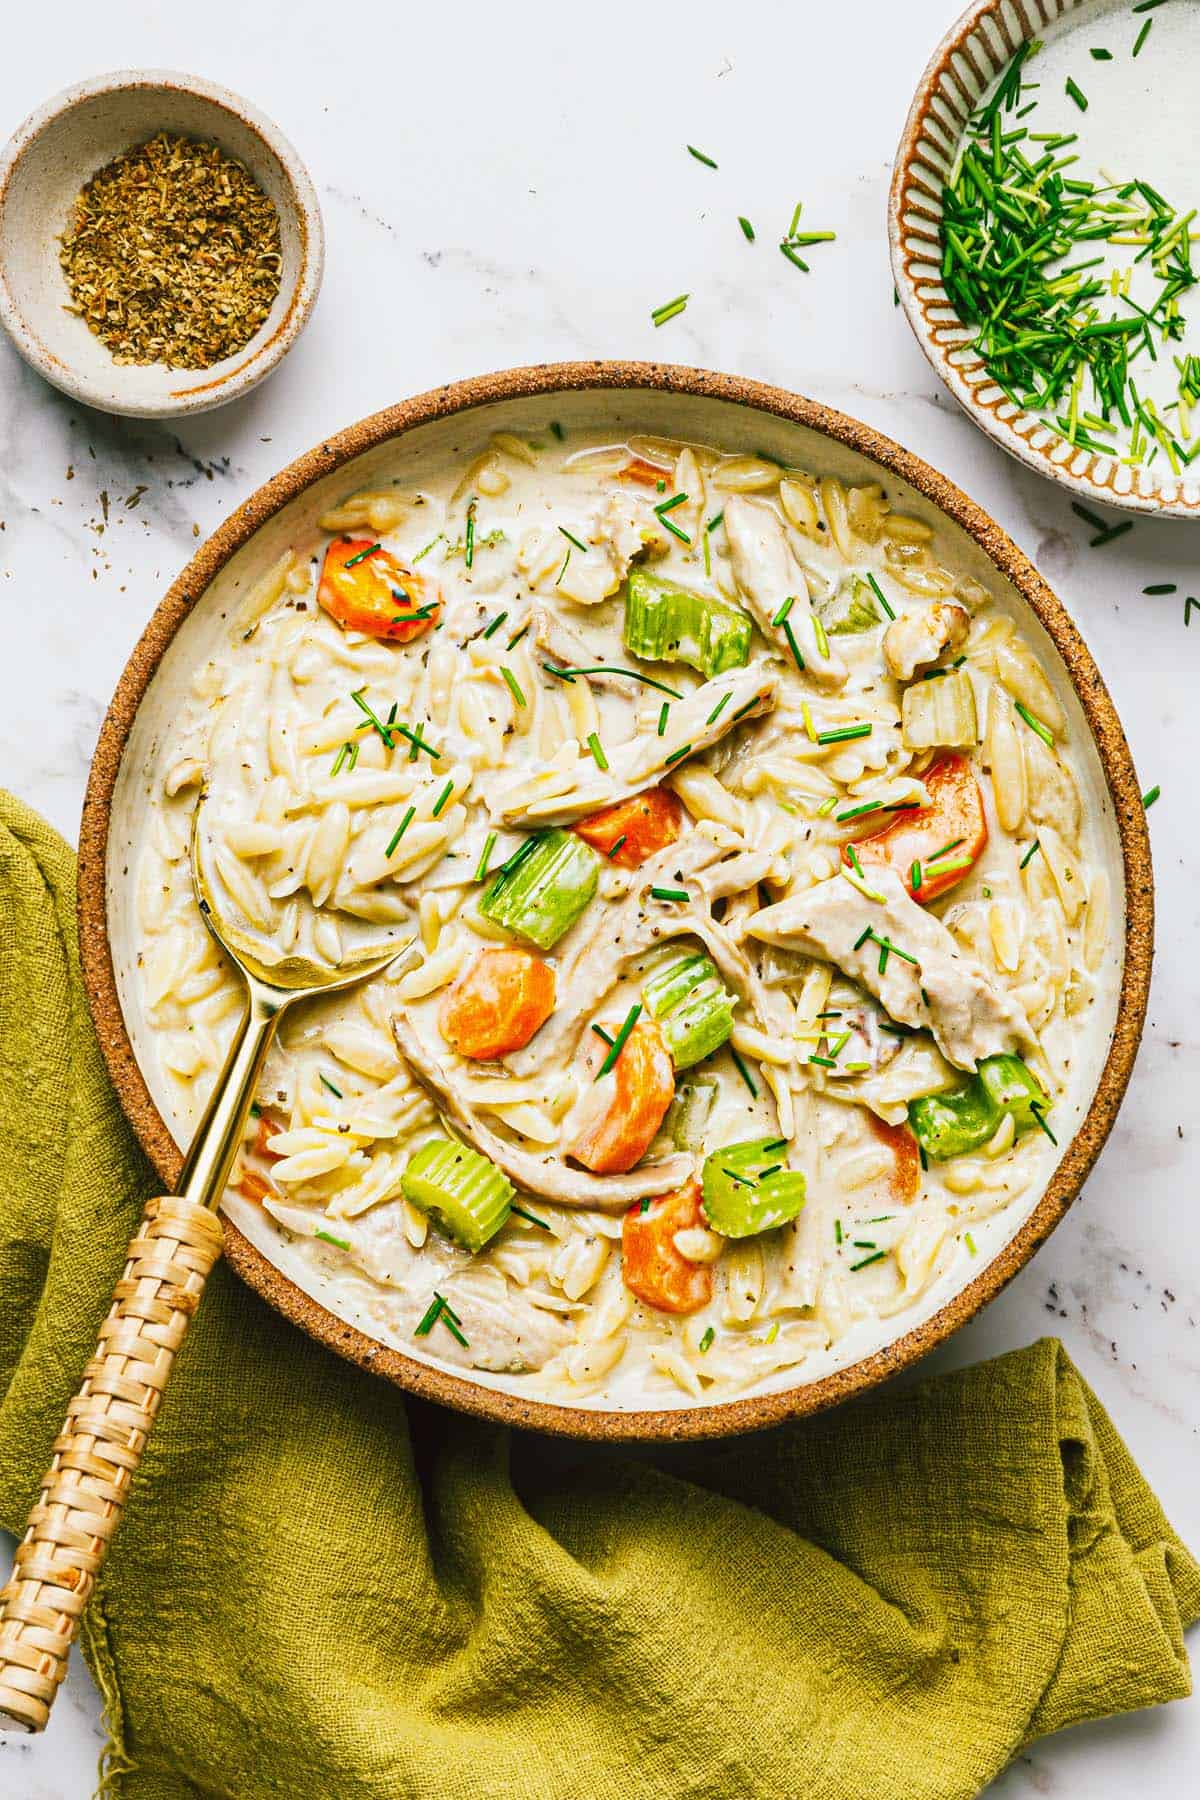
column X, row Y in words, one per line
column 797, row 261
column 914, row 876
column 606, row 669
column 1035, row 724
column 1101, row 55
column 489, row 845
column 572, row 539
column 843, row 736
column 666, row 893
column 880, row 595
column 513, row 685
column 826, row 1062
column 1038, row 1112
column 566, row 563
column 717, row 710
column 793, row 646
column 616, row 847
column 717, row 519
column 1077, row 94
column 1142, row 35
column 1107, row 536
column 864, row 1243
column 1187, row 609
column 784, row 610
column 866, row 1261
column 1145, row 6
column 418, row 743
column 819, row 634
column 1030, row 853
column 667, row 506
column 376, row 722
column 856, row 812
column 469, row 551
column 673, row 528
column 496, row 623
column 863, row 936
column 348, row 750
column 670, row 310
column 325, row 1082
column 601, row 1033
column 516, row 637
column 706, row 1342
column 700, row 157
column 618, row 1043
column 676, row 755
column 400, row 830
column 559, row 433
column 521, row 1211
column 428, row 547
column 747, row 228
column 838, row 1233
column 662, row 717
column 1161, row 587
column 327, row 1237
column 1149, row 798
column 362, row 556
column 430, row 1318
column 597, row 750
column 969, row 1241
column 743, row 1071
column 443, row 797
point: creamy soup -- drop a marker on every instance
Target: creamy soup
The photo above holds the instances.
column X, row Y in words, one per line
column 750, row 919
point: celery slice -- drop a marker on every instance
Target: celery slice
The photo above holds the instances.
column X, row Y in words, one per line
column 966, row 1118
column 747, row 1191
column 852, row 608
column 1015, row 1089
column 689, row 1111
column 464, row 1194
column 939, row 713
column 668, row 623
column 545, row 888
column 692, row 1007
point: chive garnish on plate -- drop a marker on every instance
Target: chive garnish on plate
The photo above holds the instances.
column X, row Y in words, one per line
column 618, row 1043
column 669, row 310
column 700, row 157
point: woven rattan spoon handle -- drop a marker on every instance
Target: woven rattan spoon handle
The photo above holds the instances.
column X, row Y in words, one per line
column 97, row 1453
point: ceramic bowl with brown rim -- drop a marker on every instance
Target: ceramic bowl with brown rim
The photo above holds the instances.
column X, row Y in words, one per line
column 55, row 153
column 617, row 400
column 1127, row 127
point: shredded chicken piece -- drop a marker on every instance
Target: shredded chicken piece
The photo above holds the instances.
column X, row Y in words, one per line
column 546, row 1175
column 768, row 574
column 926, row 979
column 560, row 792
column 555, row 636
column 916, row 639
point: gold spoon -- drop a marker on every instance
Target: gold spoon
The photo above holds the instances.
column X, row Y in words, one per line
column 179, row 1239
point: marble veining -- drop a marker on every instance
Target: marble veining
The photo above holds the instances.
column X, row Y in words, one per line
column 530, row 199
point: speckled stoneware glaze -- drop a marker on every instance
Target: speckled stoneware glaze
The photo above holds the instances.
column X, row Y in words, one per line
column 617, row 397
column 44, row 166
column 960, row 71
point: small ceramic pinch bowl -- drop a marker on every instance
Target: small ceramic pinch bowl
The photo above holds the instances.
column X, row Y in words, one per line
column 42, row 169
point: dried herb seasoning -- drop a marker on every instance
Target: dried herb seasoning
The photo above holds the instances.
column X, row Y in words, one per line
column 172, row 254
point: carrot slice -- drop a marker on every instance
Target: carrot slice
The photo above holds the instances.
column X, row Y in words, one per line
column 615, row 1124
column 268, row 1128
column 640, row 827
column 255, row 1187
column 904, row 1179
column 651, row 1266
column 364, row 588
column 497, row 1004
column 954, row 816
column 646, row 474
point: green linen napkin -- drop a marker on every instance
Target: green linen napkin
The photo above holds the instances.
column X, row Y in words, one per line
column 321, row 1588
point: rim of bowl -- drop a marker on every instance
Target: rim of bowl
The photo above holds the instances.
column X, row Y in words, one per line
column 262, row 354
column 966, row 61
column 660, row 1425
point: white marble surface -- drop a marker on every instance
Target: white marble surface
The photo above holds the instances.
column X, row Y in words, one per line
column 510, row 185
